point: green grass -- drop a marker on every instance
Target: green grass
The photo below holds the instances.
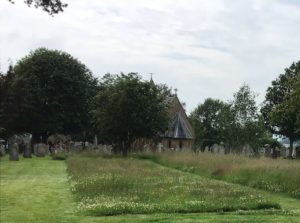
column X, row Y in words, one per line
column 274, row 175
column 113, row 186
column 37, row 190
column 34, row 190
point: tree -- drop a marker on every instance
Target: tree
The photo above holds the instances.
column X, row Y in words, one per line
column 48, row 92
column 49, row 6
column 127, row 108
column 5, row 78
column 211, row 121
column 2, row 82
column 295, row 101
column 248, row 125
column 244, row 105
column 235, row 124
column 281, row 106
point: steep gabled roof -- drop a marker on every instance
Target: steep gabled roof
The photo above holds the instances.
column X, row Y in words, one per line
column 179, row 127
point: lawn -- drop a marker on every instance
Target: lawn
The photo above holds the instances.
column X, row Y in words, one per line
column 39, row 190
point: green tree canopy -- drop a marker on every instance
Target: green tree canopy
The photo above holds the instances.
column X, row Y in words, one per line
column 48, row 92
column 281, row 106
column 49, row 6
column 128, row 108
column 244, row 105
column 248, row 124
column 210, row 120
column 236, row 123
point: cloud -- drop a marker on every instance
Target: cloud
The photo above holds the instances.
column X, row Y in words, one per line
column 203, row 48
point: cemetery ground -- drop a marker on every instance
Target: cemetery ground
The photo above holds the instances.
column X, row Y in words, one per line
column 104, row 188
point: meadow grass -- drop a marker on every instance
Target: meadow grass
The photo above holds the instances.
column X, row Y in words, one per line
column 37, row 190
column 114, row 185
column 275, row 175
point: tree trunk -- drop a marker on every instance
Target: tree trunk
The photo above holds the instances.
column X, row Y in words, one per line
column 125, row 148
column 124, row 151
column 291, row 147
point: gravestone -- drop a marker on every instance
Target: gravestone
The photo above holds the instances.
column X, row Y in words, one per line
column 261, row 151
column 2, row 150
column 95, row 141
column 206, row 149
column 247, row 150
column 14, row 152
column 27, row 151
column 147, row 148
column 284, row 152
column 221, row 149
column 22, row 147
column 78, row 146
column 267, row 150
column 215, row 148
column 159, row 147
column 40, row 149
column 109, row 148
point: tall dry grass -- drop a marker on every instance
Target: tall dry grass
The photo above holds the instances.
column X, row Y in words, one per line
column 276, row 175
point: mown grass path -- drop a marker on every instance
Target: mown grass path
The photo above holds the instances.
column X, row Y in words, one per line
column 37, row 190
column 34, row 190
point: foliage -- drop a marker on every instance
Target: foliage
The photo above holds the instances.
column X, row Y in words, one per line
column 49, row 6
column 248, row 124
column 2, row 82
column 281, row 106
column 295, row 101
column 211, row 121
column 48, row 92
column 144, row 187
column 244, row 106
column 5, row 78
column 236, row 123
column 127, row 108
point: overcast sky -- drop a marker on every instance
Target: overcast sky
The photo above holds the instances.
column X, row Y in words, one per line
column 203, row 48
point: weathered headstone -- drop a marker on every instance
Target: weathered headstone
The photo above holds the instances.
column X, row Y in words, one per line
column 215, row 148
column 159, row 147
column 147, row 148
column 247, row 150
column 206, row 149
column 109, row 148
column 14, row 152
column 78, row 146
column 27, row 151
column 40, row 149
column 221, row 149
column 95, row 141
column 2, row 150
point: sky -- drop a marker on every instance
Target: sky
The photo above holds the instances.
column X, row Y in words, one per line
column 202, row 48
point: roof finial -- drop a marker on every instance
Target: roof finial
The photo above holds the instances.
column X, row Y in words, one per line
column 151, row 80
column 176, row 91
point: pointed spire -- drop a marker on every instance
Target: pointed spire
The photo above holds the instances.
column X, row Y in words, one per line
column 151, row 80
